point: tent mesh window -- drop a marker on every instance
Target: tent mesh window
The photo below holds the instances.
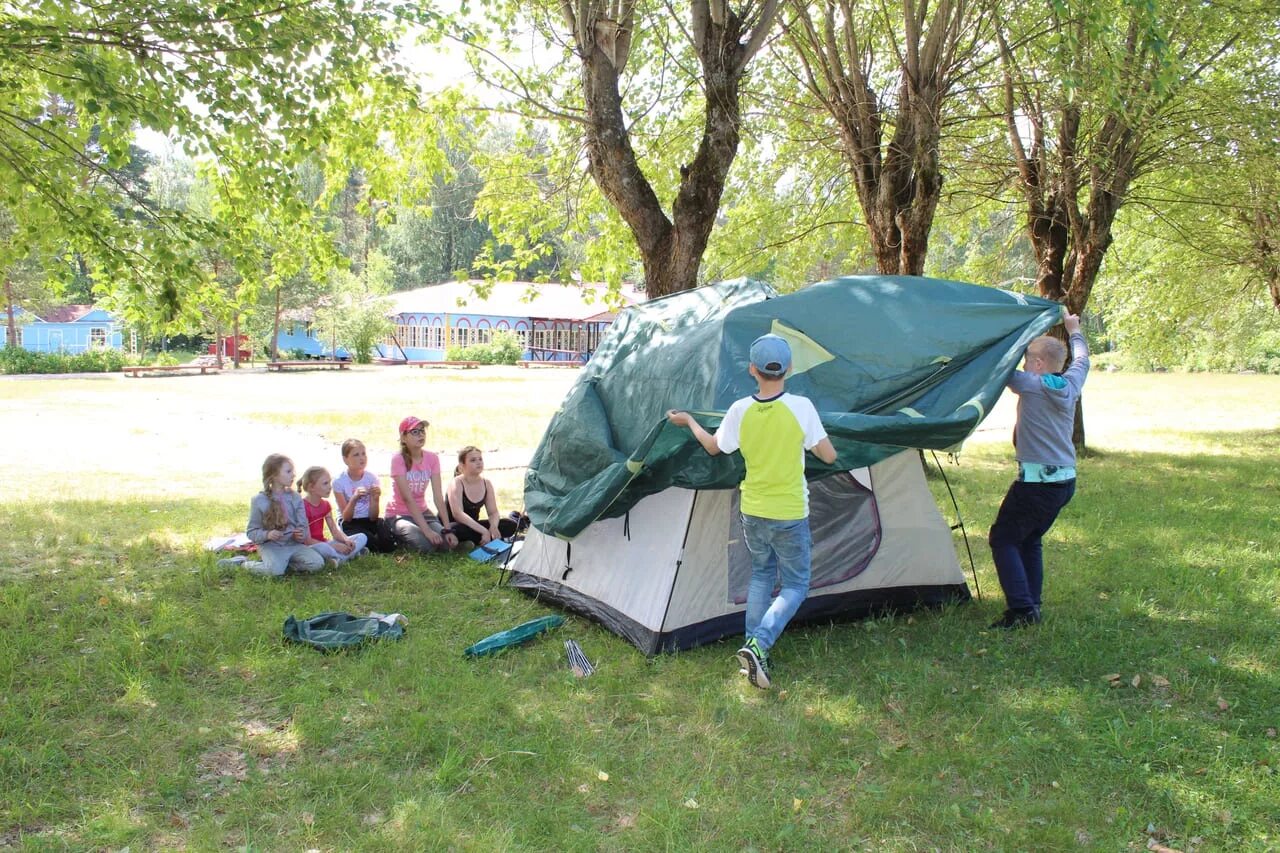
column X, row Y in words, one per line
column 844, row 521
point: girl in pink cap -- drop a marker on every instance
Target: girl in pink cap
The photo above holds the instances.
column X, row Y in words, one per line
column 414, row 525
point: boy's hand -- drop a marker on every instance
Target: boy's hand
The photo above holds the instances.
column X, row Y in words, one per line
column 342, row 547
column 680, row 419
column 1072, row 323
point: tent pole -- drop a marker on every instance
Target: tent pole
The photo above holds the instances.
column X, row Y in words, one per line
column 684, row 542
column 959, row 524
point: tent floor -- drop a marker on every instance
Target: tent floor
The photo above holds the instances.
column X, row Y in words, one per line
column 831, row 607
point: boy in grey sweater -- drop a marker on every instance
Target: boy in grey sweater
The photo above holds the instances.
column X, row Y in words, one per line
column 1046, row 481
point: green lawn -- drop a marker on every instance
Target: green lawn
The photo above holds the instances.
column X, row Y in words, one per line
column 149, row 703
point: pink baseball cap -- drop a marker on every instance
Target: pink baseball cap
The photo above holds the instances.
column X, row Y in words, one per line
column 410, row 423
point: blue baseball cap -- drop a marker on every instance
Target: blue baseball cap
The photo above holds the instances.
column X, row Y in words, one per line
column 771, row 355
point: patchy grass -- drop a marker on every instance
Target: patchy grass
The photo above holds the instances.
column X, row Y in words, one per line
column 148, row 701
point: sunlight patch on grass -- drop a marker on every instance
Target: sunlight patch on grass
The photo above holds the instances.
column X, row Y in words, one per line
column 136, row 695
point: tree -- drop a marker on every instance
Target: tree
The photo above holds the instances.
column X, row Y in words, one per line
column 438, row 238
column 252, row 87
column 884, row 75
column 1194, row 278
column 353, row 311
column 26, row 282
column 611, row 108
column 1102, row 100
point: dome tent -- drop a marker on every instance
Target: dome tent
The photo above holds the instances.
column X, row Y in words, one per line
column 636, row 526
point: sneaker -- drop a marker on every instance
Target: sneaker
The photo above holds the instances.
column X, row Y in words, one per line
column 228, row 562
column 755, row 663
column 1020, row 618
column 257, row 567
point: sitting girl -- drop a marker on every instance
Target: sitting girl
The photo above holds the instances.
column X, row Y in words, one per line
column 278, row 523
column 468, row 494
column 359, row 497
column 412, row 470
column 316, row 485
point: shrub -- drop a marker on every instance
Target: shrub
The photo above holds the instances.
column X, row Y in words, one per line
column 503, row 348
column 18, row 360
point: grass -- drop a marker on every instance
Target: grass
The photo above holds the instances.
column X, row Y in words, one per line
column 149, row 703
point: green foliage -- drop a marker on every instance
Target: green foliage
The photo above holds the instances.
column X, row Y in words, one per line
column 251, row 89
column 503, row 348
column 367, row 325
column 352, row 309
column 19, row 360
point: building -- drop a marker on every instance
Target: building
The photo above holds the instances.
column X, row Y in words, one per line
column 298, row 335
column 67, row 328
column 553, row 322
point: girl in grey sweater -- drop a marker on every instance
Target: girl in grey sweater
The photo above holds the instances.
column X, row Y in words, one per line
column 278, row 523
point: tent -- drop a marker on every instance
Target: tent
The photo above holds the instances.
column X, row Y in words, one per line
column 637, row 527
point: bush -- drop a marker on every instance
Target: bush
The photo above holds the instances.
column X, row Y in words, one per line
column 18, row 360
column 503, row 348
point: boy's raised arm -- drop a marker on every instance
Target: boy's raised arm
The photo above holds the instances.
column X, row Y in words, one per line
column 706, row 439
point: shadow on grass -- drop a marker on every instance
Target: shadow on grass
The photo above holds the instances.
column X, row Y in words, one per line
column 151, row 701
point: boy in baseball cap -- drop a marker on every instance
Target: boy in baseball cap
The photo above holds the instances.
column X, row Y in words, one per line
column 772, row 429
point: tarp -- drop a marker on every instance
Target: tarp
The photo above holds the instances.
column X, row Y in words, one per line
column 332, row 631
column 890, row 362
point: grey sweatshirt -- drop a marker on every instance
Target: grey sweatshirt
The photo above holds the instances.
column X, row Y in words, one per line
column 1047, row 409
column 295, row 518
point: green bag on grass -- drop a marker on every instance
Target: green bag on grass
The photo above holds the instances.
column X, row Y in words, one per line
column 522, row 633
column 330, row 632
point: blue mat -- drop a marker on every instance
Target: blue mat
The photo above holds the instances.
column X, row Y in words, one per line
column 485, row 553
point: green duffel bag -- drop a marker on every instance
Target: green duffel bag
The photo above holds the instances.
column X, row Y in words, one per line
column 333, row 631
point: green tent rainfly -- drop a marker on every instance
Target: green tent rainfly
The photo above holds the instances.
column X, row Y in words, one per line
column 891, row 362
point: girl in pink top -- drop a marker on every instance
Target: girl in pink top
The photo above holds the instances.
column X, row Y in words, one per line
column 413, row 469
column 315, row 485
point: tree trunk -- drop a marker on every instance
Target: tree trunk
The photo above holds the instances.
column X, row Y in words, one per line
column 12, row 339
column 890, row 139
column 671, row 249
column 217, row 343
column 275, row 330
column 235, row 339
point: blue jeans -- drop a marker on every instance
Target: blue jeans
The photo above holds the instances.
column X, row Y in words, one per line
column 779, row 549
column 1027, row 513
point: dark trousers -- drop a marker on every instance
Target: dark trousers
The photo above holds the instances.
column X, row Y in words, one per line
column 381, row 539
column 506, row 528
column 1027, row 513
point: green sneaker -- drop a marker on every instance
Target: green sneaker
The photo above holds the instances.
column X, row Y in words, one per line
column 755, row 663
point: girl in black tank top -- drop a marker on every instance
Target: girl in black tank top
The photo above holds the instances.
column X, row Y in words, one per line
column 475, row 521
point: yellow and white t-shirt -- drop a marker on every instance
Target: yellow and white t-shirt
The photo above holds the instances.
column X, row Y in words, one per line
column 773, row 436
